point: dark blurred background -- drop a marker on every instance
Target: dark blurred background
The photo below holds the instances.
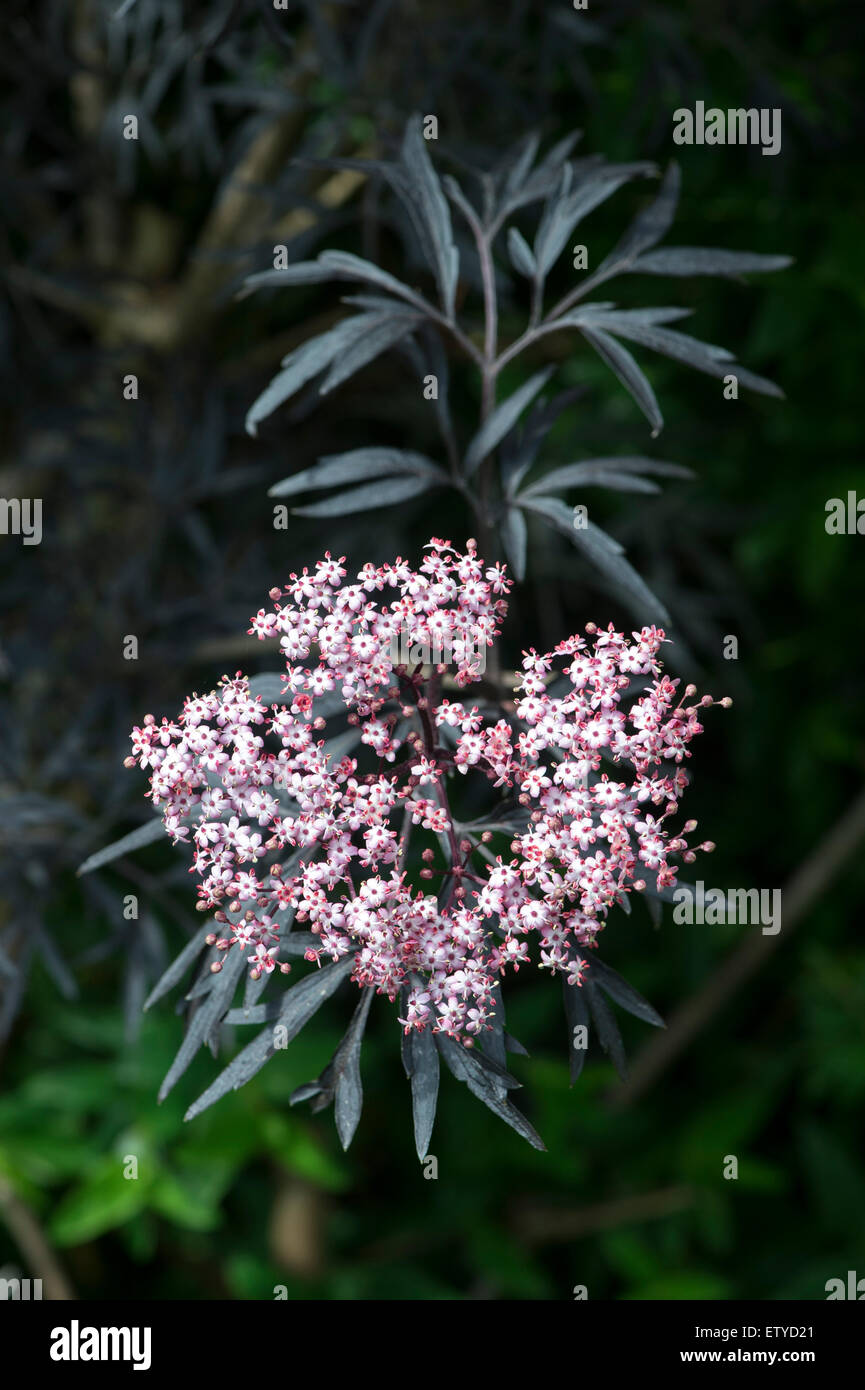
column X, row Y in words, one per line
column 123, row 257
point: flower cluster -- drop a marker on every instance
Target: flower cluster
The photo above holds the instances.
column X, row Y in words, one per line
column 285, row 828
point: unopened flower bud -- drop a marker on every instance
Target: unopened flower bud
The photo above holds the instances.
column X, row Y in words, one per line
column 216, row 967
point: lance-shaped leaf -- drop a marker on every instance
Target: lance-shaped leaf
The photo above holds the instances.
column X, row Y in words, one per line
column 136, row 839
column 300, row 273
column 416, row 182
column 269, row 687
column 206, row 1018
column 605, row 1023
column 706, row 260
column 624, row 994
column 632, row 376
column 514, row 169
column 368, row 497
column 316, row 356
column 647, row 228
column 606, row 555
column 179, row 966
column 521, row 254
column 576, row 1016
column 524, row 185
column 514, row 540
column 503, row 419
column 355, row 465
column 465, row 1067
column 520, row 450
column 388, row 330
column 420, row 1059
column 298, row 1007
column 566, row 209
column 704, row 357
column 348, row 1089
column 303, row 364
column 618, row 473
column 332, row 266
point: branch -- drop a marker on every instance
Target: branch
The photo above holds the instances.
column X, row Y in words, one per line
column 31, row 1241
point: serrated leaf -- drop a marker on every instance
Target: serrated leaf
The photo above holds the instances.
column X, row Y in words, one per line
column 503, row 419
column 706, row 260
column 354, row 465
column 298, row 1007
column 146, row 834
column 371, row 495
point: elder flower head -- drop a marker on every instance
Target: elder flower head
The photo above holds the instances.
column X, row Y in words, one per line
column 287, row 827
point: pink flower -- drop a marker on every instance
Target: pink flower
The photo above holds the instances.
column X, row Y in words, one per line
column 221, row 775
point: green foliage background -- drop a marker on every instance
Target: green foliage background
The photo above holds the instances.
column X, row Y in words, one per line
column 254, row 1195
